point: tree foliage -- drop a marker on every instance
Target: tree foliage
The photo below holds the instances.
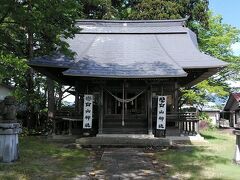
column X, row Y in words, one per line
column 31, row 28
column 157, row 9
column 108, row 9
column 14, row 68
column 172, row 9
column 216, row 40
column 147, row 9
column 48, row 20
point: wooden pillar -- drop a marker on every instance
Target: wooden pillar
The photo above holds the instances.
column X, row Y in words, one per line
column 70, row 128
column 176, row 87
column 197, row 127
column 150, row 110
column 231, row 120
column 77, row 100
column 234, row 118
column 100, row 111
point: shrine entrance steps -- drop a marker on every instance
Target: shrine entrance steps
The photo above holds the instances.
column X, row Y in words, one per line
column 136, row 140
column 121, row 140
column 173, row 131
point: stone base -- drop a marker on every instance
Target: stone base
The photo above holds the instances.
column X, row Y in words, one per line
column 123, row 142
column 9, row 149
column 10, row 128
column 137, row 136
column 63, row 138
column 237, row 147
column 135, row 140
column 184, row 138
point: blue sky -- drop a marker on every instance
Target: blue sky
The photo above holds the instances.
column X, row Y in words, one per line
column 230, row 11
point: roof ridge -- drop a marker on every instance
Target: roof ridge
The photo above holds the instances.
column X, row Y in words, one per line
column 168, row 22
column 132, row 21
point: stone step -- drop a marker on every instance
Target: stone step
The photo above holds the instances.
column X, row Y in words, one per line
column 124, row 130
column 121, row 141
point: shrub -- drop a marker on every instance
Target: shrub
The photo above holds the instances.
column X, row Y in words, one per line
column 205, row 121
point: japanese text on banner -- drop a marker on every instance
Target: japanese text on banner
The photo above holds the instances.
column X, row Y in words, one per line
column 87, row 111
column 161, row 112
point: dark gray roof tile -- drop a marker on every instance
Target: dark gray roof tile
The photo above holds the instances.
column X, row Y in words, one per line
column 132, row 49
column 55, row 60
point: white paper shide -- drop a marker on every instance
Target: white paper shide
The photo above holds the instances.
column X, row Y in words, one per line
column 161, row 112
column 87, row 111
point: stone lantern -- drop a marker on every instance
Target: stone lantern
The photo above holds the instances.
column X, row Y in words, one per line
column 9, row 130
column 237, row 146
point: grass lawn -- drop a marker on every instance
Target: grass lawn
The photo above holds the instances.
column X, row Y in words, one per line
column 40, row 159
column 210, row 161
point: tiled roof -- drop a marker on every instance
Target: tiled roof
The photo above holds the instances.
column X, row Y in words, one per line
column 132, row 49
column 236, row 96
column 232, row 102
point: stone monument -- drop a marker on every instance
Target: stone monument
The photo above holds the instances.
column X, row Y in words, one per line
column 237, row 146
column 9, row 130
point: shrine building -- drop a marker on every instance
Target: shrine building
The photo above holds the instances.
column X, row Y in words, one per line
column 127, row 76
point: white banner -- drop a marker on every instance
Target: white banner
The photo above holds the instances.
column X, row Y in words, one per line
column 161, row 112
column 87, row 111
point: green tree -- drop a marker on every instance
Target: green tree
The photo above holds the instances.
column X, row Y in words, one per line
column 216, row 40
column 156, row 9
column 31, row 28
column 172, row 9
column 108, row 9
column 146, row 9
column 12, row 70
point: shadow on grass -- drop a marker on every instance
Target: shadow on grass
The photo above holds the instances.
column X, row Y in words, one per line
column 212, row 136
column 40, row 159
column 189, row 162
column 207, row 137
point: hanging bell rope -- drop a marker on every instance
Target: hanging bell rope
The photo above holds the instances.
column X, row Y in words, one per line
column 124, row 101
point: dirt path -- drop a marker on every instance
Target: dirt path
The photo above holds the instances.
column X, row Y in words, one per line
column 124, row 164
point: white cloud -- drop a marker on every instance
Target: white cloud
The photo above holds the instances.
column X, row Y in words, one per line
column 236, row 48
column 234, row 84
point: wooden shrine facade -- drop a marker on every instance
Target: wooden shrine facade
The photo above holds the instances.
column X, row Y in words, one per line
column 138, row 116
column 126, row 66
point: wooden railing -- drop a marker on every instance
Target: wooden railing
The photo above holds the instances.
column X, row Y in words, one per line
column 65, row 121
column 187, row 122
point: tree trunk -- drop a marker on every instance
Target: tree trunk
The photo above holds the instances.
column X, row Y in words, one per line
column 51, row 99
column 29, row 78
column 30, row 103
